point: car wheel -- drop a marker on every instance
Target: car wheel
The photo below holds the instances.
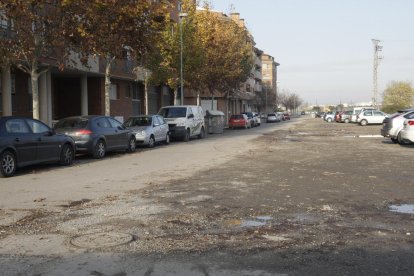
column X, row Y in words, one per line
column 100, row 150
column 363, row 123
column 167, row 139
column 329, row 120
column 186, row 137
column 346, row 121
column 394, row 140
column 151, row 142
column 132, row 145
column 201, row 135
column 400, row 140
column 8, row 164
column 67, row 155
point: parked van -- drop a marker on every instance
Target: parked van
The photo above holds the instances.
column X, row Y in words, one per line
column 184, row 121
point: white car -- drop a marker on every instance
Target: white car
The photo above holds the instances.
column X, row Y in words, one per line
column 407, row 133
column 257, row 119
column 392, row 125
column 371, row 117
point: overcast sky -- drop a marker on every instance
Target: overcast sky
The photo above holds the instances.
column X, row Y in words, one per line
column 324, row 47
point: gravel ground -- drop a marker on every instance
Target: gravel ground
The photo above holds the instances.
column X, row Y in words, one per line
column 312, row 198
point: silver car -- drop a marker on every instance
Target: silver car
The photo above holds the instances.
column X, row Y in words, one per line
column 273, row 117
column 371, row 117
column 393, row 125
column 149, row 129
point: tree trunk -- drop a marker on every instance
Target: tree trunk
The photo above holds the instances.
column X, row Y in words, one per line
column 34, row 76
column 108, row 86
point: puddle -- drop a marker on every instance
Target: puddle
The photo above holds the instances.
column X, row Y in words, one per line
column 404, row 208
column 260, row 221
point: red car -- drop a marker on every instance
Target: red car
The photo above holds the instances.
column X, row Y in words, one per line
column 285, row 116
column 239, row 120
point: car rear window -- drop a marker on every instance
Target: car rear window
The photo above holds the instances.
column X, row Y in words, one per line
column 72, row 123
column 271, row 114
column 236, row 117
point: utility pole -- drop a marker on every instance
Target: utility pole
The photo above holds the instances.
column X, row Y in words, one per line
column 377, row 57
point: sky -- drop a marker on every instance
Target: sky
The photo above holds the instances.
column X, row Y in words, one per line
column 324, row 47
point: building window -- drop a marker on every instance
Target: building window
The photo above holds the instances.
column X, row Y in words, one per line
column 113, row 94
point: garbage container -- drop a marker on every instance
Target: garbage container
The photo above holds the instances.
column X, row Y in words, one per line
column 215, row 121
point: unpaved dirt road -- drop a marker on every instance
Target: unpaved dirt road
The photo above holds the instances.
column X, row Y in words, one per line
column 300, row 198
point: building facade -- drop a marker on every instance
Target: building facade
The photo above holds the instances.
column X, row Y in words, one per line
column 269, row 79
column 79, row 89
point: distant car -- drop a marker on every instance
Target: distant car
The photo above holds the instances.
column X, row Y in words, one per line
column 251, row 118
column 345, row 117
column 257, row 119
column 239, row 120
column 286, row 116
column 97, row 134
column 303, row 113
column 25, row 141
column 358, row 110
column 407, row 133
column 148, row 129
column 371, row 117
column 329, row 117
column 319, row 114
column 273, row 117
column 392, row 125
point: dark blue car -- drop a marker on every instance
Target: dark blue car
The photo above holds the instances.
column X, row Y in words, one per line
column 26, row 141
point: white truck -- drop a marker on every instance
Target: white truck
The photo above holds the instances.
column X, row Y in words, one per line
column 184, row 121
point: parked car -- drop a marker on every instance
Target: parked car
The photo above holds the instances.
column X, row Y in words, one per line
column 25, row 141
column 319, row 114
column 257, row 119
column 97, row 134
column 392, row 125
column 371, row 117
column 239, row 120
column 184, row 121
column 358, row 110
column 407, row 133
column 329, row 117
column 251, row 118
column 149, row 129
column 273, row 117
column 285, row 116
column 345, row 117
column 338, row 116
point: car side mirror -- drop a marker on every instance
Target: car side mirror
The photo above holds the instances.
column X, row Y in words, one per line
column 121, row 127
column 190, row 116
column 51, row 132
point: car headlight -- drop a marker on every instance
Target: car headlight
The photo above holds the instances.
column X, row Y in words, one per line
column 140, row 133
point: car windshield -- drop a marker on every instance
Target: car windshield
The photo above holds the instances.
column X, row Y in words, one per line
column 173, row 112
column 138, row 121
column 72, row 123
column 271, row 114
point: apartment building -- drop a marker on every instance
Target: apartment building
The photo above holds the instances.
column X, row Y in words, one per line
column 79, row 89
column 269, row 79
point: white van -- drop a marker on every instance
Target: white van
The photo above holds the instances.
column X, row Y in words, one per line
column 184, row 121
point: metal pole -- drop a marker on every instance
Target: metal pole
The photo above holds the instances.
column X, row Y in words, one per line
column 181, row 63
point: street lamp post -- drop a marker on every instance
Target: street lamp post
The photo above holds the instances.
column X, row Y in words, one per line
column 181, row 15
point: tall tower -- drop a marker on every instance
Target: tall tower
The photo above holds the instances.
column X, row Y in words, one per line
column 377, row 57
